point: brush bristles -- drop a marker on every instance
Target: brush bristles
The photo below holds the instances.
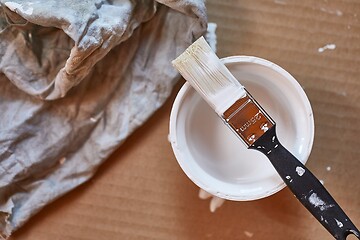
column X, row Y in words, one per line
column 200, row 66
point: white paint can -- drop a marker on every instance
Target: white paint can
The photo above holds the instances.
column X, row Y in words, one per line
column 215, row 159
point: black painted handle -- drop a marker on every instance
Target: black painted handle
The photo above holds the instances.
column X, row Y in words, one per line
column 306, row 187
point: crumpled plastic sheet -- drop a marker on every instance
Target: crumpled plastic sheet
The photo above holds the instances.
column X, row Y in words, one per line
column 77, row 77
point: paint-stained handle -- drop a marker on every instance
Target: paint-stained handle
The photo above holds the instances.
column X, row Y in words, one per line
column 306, row 187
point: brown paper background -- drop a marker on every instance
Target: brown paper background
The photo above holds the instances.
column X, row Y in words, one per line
column 141, row 192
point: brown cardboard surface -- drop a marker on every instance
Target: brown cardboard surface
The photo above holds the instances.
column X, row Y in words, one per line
column 141, row 192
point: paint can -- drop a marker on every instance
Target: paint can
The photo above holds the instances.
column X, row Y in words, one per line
column 215, row 159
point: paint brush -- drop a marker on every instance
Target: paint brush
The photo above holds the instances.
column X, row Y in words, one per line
column 200, row 66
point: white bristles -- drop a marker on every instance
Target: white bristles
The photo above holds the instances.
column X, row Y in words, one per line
column 200, row 66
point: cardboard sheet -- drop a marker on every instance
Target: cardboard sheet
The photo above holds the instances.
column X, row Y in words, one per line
column 141, row 192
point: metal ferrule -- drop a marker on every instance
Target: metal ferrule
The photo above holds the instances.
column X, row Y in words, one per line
column 248, row 119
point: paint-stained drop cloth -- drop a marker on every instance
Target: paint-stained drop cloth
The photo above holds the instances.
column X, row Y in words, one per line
column 77, row 77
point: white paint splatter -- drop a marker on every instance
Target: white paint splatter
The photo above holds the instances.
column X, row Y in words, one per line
column 169, row 138
column 335, row 12
column 316, row 201
column 287, row 177
column 93, row 119
column 338, row 12
column 330, row 46
column 16, row 6
column 282, row 2
column 300, row 171
column 248, row 234
column 340, row 224
column 328, row 168
column 204, row 194
column 343, row 93
column 215, row 203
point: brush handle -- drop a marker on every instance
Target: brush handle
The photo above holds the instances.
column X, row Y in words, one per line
column 306, row 187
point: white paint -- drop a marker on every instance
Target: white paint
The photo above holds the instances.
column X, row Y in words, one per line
column 169, row 138
column 281, row 2
column 204, row 194
column 288, row 177
column 215, row 160
column 16, row 6
column 343, row 93
column 330, row 46
column 328, row 168
column 340, row 224
column 338, row 12
column 300, row 171
column 335, row 12
column 93, row 119
column 215, row 203
column 215, row 83
column 248, row 234
column 316, row 201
